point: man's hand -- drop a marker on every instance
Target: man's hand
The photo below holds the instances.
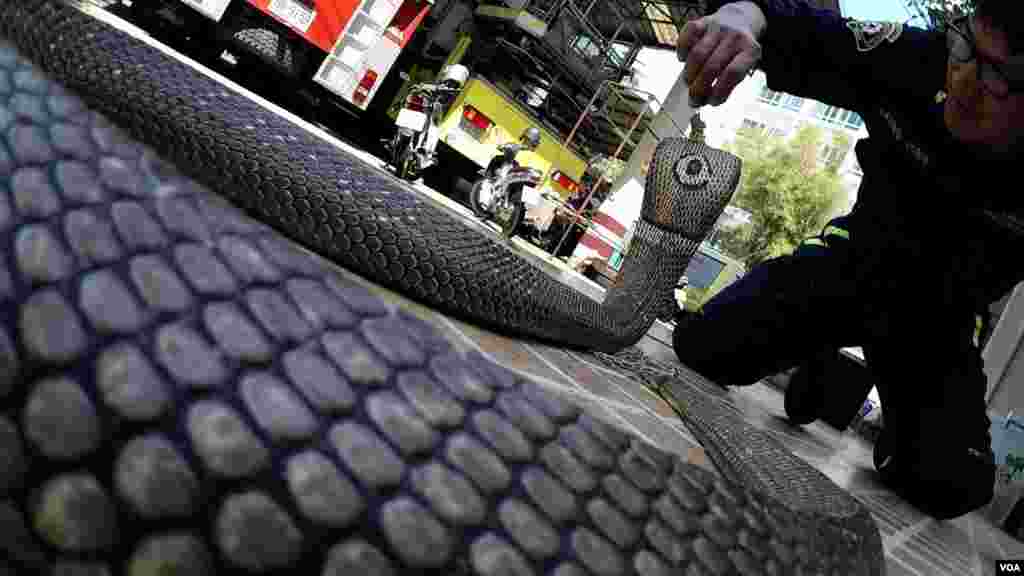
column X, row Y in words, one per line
column 719, row 50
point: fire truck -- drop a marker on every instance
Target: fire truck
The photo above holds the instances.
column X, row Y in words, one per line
column 320, row 52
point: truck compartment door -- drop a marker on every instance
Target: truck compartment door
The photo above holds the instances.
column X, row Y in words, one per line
column 368, row 48
column 212, row 9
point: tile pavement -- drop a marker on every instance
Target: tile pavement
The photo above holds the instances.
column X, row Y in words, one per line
column 915, row 545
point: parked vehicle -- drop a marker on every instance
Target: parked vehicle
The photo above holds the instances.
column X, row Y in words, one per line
column 556, row 65
column 414, row 146
column 506, row 187
column 335, row 51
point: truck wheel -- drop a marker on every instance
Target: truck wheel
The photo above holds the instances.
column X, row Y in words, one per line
column 268, row 46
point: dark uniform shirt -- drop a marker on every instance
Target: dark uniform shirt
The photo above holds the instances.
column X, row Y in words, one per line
column 929, row 210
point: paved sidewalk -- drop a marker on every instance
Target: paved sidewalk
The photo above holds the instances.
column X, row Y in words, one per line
column 914, row 544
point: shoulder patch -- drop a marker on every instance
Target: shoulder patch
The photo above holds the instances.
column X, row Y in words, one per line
column 871, row 35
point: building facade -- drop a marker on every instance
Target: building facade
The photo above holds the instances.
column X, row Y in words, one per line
column 754, row 106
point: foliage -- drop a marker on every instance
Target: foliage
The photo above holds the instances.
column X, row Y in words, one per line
column 936, row 12
column 608, row 166
column 841, row 141
column 695, row 298
column 786, row 191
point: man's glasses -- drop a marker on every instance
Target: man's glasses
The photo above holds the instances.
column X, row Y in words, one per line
column 998, row 80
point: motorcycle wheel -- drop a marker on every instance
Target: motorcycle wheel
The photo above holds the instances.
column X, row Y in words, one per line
column 397, row 148
column 510, row 219
column 475, row 202
column 407, row 164
column 402, row 157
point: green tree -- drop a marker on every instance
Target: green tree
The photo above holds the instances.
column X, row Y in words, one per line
column 841, row 142
column 936, row 12
column 785, row 189
column 607, row 167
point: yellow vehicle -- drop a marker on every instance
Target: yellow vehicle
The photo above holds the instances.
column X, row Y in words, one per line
column 550, row 72
column 482, row 118
column 485, row 115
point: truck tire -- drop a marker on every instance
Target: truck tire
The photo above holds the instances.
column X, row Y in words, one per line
column 270, row 47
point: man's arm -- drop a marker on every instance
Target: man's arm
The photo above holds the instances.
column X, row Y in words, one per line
column 817, row 54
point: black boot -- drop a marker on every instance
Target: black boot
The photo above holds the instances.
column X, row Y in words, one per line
column 804, row 395
column 943, row 481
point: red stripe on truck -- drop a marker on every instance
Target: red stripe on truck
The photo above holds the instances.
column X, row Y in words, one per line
column 610, row 223
column 591, row 241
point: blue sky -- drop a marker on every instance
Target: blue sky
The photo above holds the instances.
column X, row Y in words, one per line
column 887, row 10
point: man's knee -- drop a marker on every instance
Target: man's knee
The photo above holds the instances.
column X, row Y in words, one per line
column 708, row 340
column 690, row 326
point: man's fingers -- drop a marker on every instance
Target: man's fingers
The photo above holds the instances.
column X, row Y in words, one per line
column 733, row 74
column 691, row 33
column 724, row 52
column 699, row 53
column 717, row 57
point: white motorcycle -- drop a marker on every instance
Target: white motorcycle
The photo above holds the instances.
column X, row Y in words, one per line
column 414, row 146
column 506, row 187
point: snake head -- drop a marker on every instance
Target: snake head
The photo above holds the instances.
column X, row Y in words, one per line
column 689, row 184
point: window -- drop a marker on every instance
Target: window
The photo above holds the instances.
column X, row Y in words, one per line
column 753, row 126
column 787, row 101
column 827, row 113
column 770, row 97
column 761, row 128
column 831, row 154
column 619, row 53
column 794, row 103
column 703, row 270
column 839, row 116
column 586, row 46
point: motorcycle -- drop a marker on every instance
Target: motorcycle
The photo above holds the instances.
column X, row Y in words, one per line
column 506, row 187
column 414, row 146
